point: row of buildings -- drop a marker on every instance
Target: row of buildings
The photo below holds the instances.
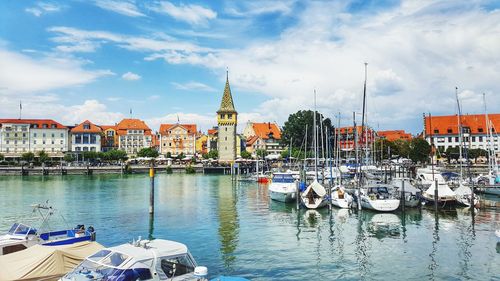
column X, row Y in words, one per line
column 18, row 136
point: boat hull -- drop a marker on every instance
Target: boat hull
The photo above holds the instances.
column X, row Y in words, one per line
column 443, row 202
column 380, row 205
column 282, row 196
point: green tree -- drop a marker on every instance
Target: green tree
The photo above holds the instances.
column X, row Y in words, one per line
column 452, row 153
column 476, row 152
column 169, row 155
column 214, row 154
column 181, row 156
column 69, row 158
column 386, row 147
column 261, row 153
column 295, row 127
column 401, row 148
column 43, row 157
column 115, row 155
column 28, row 156
column 245, row 154
column 90, row 155
column 2, row 157
column 419, row 150
column 148, row 152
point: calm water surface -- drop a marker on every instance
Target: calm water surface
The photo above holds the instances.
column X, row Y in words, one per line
column 237, row 230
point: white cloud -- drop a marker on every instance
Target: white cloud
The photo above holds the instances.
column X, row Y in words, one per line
column 154, row 97
column 129, row 76
column 22, row 73
column 124, row 7
column 192, row 14
column 193, row 86
column 43, row 8
column 254, row 8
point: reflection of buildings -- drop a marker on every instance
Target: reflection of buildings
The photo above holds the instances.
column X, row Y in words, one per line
column 228, row 223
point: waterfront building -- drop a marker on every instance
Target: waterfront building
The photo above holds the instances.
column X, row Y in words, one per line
column 109, row 138
column 201, row 143
column 443, row 131
column 212, row 139
column 348, row 135
column 86, row 136
column 227, row 120
column 266, row 136
column 133, row 135
column 177, row 139
column 394, row 135
column 18, row 136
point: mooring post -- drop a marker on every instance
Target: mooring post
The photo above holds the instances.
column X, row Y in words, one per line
column 403, row 195
column 152, row 187
column 436, row 195
column 297, row 196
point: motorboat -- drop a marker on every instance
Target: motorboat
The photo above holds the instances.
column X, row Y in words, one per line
column 378, row 198
column 340, row 198
column 140, row 260
column 21, row 236
column 313, row 197
column 283, row 187
column 411, row 193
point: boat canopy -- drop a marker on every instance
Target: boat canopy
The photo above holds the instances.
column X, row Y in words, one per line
column 317, row 188
column 283, row 177
column 42, row 262
column 21, row 229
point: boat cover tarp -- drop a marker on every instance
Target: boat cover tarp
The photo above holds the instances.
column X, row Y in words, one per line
column 443, row 190
column 45, row 262
column 318, row 188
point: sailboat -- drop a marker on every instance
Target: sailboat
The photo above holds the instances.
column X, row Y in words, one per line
column 463, row 192
column 313, row 196
column 374, row 197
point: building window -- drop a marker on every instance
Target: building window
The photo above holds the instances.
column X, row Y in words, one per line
column 52, row 141
column 7, row 135
column 436, row 131
column 230, row 116
column 34, row 135
column 62, row 135
column 43, row 142
column 86, row 126
column 53, row 135
column 85, row 148
column 43, row 135
column 449, row 139
column 449, row 131
column 480, row 130
column 92, row 149
column 34, row 141
column 85, row 139
column 480, row 138
column 44, row 126
column 62, row 142
column 53, row 126
column 456, row 139
column 473, row 138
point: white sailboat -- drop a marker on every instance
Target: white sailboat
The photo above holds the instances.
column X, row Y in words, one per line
column 314, row 195
column 340, row 198
column 411, row 193
column 283, row 187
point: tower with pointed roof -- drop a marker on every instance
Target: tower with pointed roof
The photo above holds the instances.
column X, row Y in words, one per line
column 227, row 119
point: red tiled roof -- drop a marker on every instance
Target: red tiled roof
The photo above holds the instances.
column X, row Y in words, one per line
column 106, row 127
column 191, row 128
column 263, row 130
column 394, row 135
column 38, row 122
column 252, row 140
column 132, row 124
column 448, row 125
column 92, row 129
column 212, row 131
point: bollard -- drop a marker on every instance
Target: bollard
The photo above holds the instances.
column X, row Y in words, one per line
column 403, row 194
column 152, row 188
column 436, row 196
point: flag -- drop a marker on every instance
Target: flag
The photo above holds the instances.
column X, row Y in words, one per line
column 20, row 105
column 178, row 118
column 131, row 111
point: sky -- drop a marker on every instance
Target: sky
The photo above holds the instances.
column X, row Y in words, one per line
column 165, row 61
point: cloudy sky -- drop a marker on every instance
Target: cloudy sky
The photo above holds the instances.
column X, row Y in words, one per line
column 76, row 60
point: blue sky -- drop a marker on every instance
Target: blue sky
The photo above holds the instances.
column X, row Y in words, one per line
column 76, row 60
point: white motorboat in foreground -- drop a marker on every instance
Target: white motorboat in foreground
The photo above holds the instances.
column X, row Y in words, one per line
column 283, row 187
column 340, row 198
column 140, row 260
column 314, row 196
column 378, row 198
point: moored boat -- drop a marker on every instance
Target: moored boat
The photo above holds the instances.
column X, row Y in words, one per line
column 22, row 236
column 314, row 196
column 378, row 198
column 340, row 198
column 283, row 187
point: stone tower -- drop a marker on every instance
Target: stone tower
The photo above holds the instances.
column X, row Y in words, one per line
column 227, row 121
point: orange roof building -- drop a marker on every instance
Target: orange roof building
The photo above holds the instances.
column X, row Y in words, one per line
column 264, row 136
column 348, row 135
column 394, row 135
column 133, row 135
column 177, row 139
column 109, row 139
column 443, row 131
column 18, row 136
column 86, row 136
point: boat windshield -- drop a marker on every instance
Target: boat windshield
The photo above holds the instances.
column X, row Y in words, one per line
column 285, row 178
column 90, row 270
column 378, row 189
column 21, row 229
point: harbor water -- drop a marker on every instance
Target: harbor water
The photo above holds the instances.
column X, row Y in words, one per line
column 235, row 229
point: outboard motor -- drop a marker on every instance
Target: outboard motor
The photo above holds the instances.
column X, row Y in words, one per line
column 201, row 273
column 92, row 233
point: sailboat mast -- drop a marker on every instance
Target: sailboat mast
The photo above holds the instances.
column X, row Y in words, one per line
column 363, row 115
column 315, row 139
column 460, row 143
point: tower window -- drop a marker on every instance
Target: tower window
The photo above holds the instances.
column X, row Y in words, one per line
column 222, row 116
column 229, row 116
column 225, row 129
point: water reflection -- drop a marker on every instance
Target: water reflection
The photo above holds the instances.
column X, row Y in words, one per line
column 228, row 223
column 435, row 238
column 362, row 249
